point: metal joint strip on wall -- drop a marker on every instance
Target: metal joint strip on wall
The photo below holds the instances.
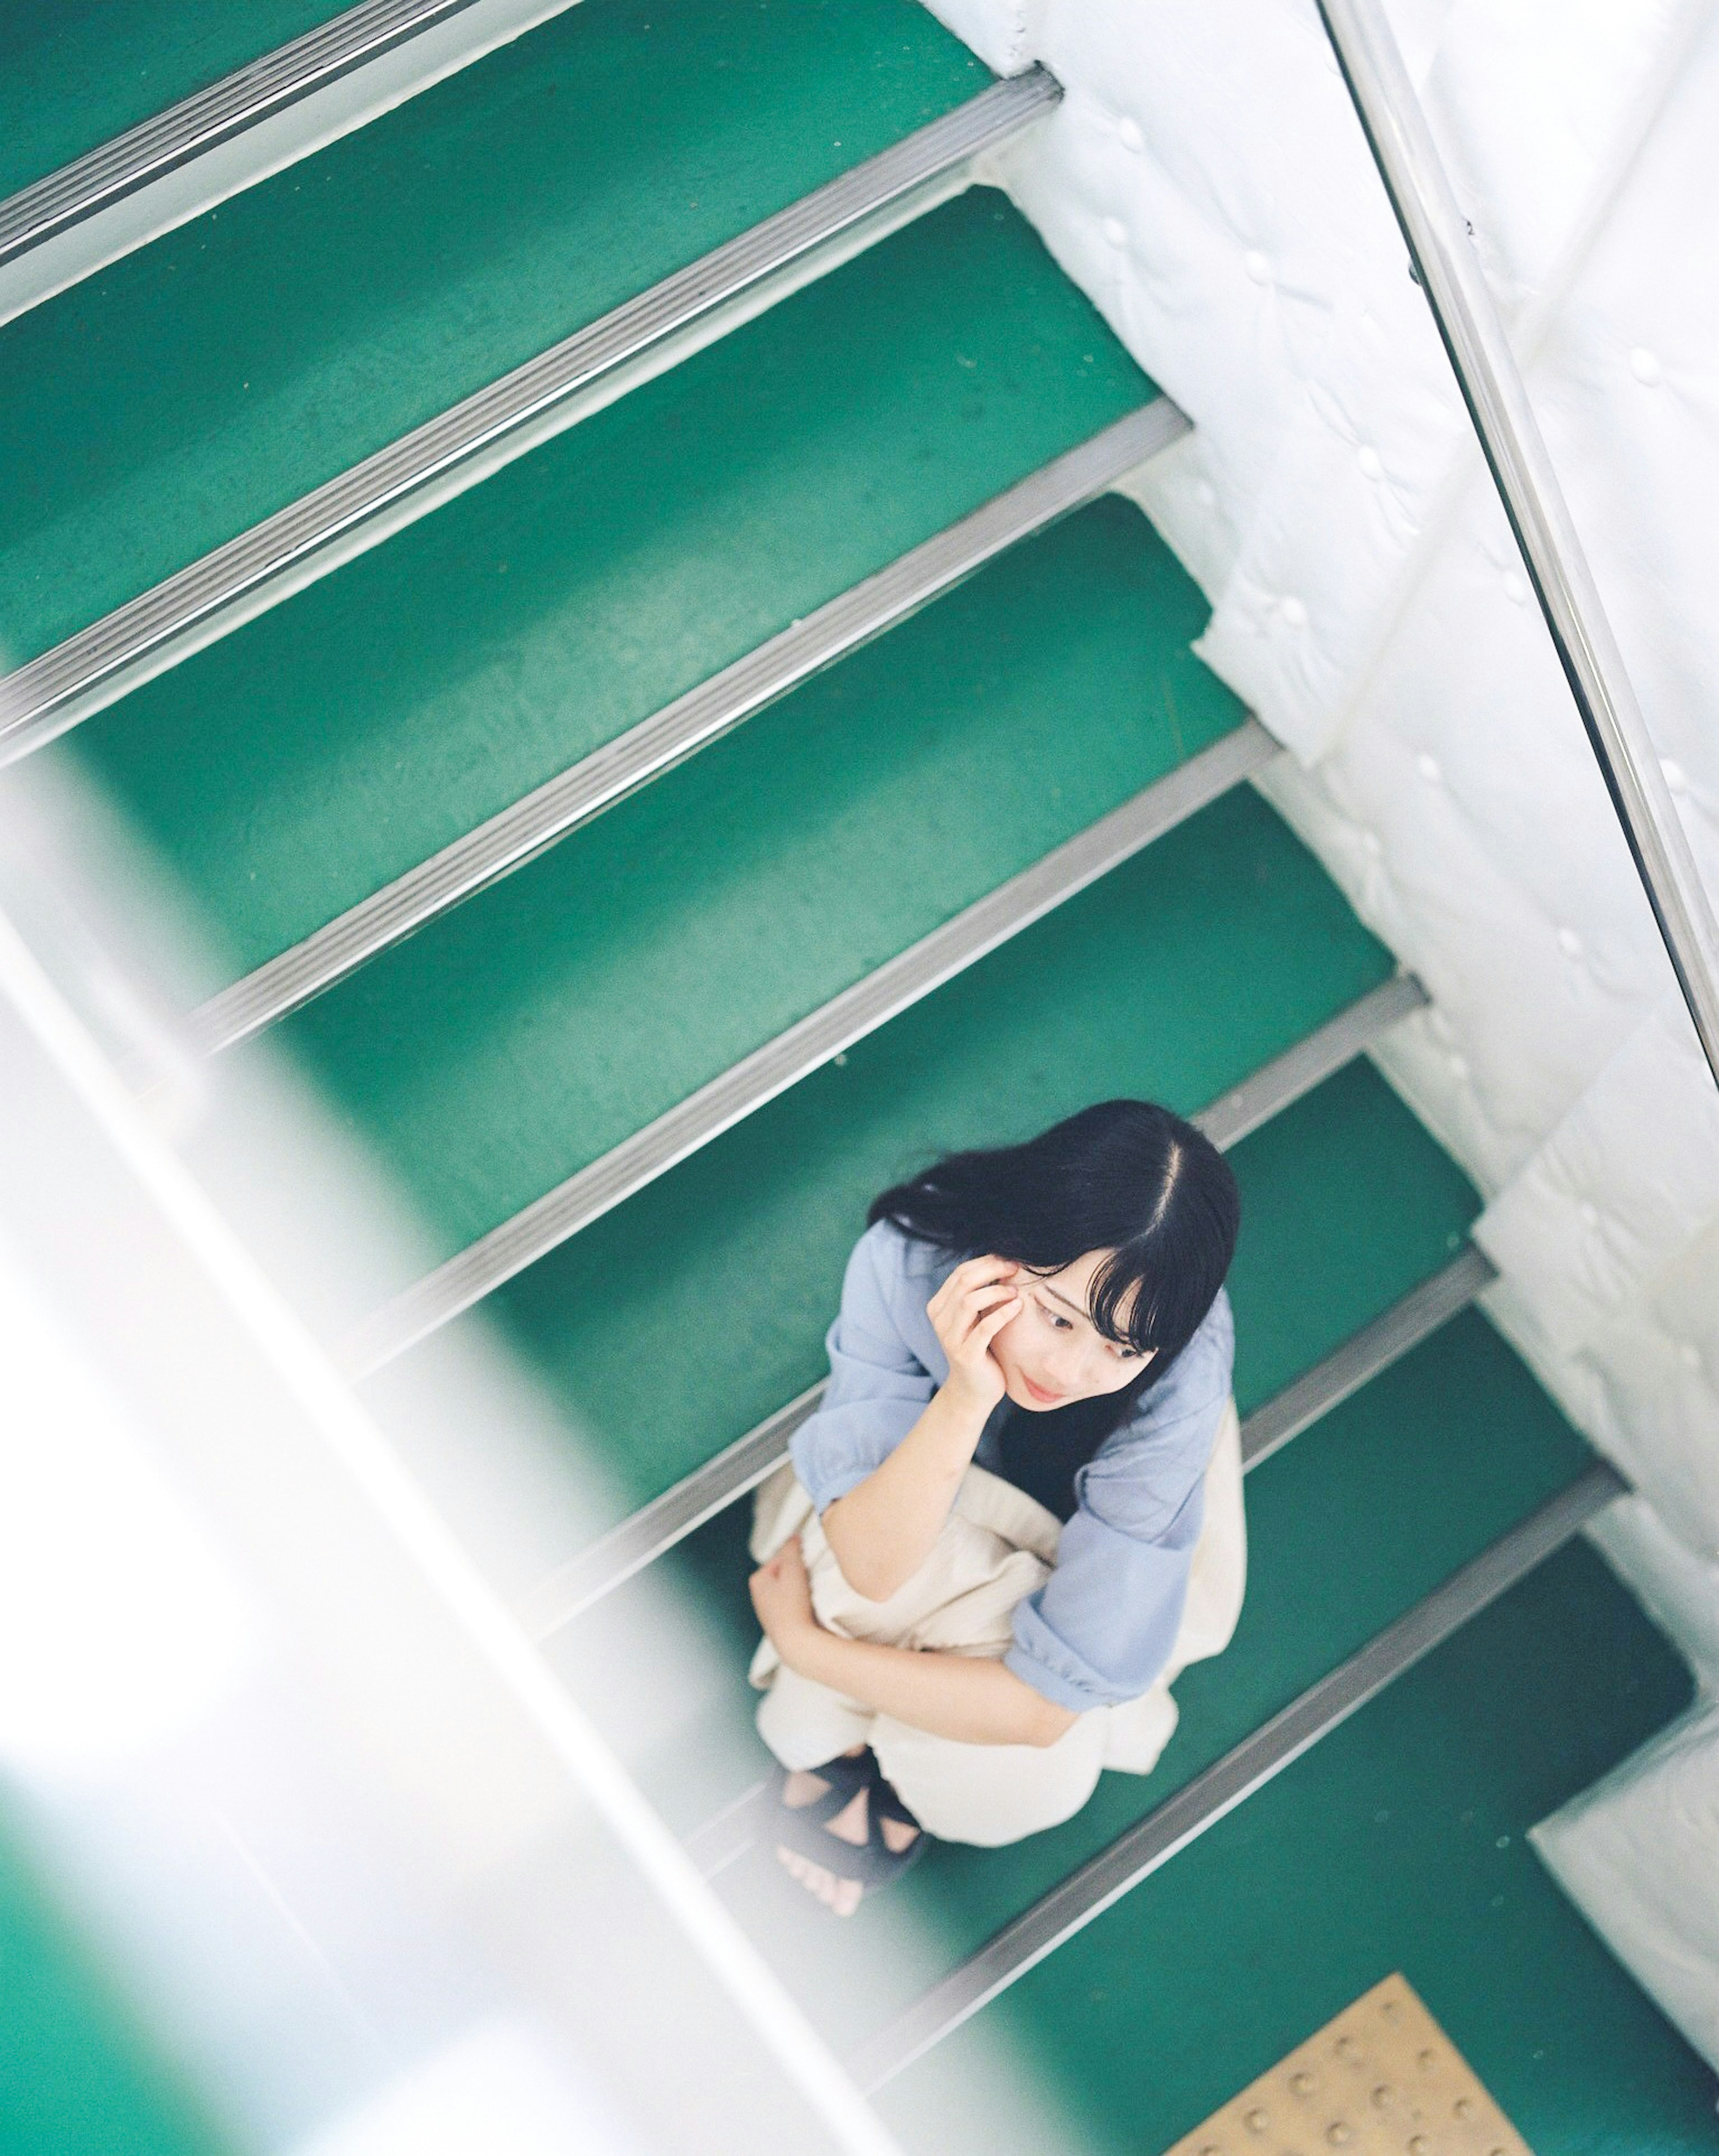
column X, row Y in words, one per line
column 1449, row 270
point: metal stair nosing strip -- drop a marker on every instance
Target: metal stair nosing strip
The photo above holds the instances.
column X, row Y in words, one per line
column 1139, row 1852
column 642, row 1537
column 632, row 344
column 1414, row 1318
column 1363, row 1355
column 1277, row 1084
column 747, row 1086
column 518, row 834
column 252, row 92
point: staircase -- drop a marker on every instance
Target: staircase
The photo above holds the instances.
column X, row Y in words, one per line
column 606, row 586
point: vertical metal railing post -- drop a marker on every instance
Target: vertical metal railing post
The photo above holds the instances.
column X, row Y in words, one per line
column 1492, row 387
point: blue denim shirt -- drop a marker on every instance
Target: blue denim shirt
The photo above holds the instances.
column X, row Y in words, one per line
column 1102, row 1626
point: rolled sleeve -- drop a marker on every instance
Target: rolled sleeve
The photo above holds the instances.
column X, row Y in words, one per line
column 1139, row 1481
column 1103, row 1624
column 878, row 1387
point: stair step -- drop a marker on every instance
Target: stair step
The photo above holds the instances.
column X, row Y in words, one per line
column 1317, row 1056
column 1312, row 1269
column 1371, row 1511
column 674, row 1324
column 485, row 649
column 1199, row 1804
column 805, row 1046
column 719, row 1842
column 691, row 722
column 231, row 367
column 666, row 1520
column 518, row 1040
column 183, row 160
column 1365, row 1354
column 73, row 79
column 1401, row 1841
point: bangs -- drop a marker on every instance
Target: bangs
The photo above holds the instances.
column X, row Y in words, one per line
column 1142, row 1303
column 1128, row 1281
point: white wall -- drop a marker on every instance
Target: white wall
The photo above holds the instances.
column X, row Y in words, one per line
column 1207, row 183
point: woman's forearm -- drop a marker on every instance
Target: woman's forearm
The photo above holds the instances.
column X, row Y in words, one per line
column 973, row 1699
column 885, row 1527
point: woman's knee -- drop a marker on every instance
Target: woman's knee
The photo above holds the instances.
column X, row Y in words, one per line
column 990, row 1794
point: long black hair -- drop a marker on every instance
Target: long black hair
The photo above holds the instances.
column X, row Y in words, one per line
column 1124, row 1176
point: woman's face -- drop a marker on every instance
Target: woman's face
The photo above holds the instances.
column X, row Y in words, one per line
column 1051, row 1352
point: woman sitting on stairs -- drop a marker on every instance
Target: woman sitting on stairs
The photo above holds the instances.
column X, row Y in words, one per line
column 1017, row 1513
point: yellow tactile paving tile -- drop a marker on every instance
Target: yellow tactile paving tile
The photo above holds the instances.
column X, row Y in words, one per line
column 1381, row 2079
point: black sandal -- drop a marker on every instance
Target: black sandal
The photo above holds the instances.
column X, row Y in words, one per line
column 804, row 1828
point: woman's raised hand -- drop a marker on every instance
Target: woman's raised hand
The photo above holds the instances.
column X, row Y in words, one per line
column 966, row 1313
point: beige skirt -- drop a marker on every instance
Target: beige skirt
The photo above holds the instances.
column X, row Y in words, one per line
column 997, row 1545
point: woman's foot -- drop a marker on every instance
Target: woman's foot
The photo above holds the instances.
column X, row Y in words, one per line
column 838, row 1891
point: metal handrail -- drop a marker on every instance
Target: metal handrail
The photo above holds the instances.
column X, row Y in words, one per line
column 1492, row 387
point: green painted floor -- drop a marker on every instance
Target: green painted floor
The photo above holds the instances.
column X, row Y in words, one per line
column 1398, row 1843
column 75, row 73
column 186, row 391
column 77, row 2076
column 338, row 740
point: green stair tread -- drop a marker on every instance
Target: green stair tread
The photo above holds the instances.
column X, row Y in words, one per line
column 77, row 2076
column 335, row 741
column 1349, row 1205
column 188, row 391
column 1360, row 1518
column 673, row 1325
column 75, row 73
column 1357, row 1520
column 534, row 1028
column 1397, row 1843
column 1352, row 1525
